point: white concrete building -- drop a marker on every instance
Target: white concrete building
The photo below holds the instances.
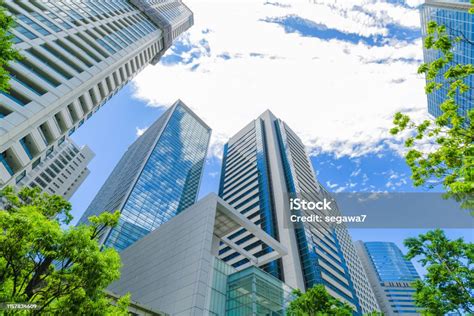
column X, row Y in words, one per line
column 175, row 268
column 61, row 172
column 77, row 55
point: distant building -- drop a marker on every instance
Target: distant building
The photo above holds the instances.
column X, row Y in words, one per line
column 390, row 275
column 459, row 23
column 157, row 178
column 61, row 172
column 175, row 268
column 263, row 163
column 77, row 55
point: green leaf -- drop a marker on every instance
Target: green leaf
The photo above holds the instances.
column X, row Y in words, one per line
column 60, row 269
column 450, row 162
column 447, row 287
column 8, row 52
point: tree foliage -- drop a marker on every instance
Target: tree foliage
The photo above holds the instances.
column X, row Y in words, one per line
column 7, row 52
column 317, row 301
column 63, row 271
column 451, row 163
column 449, row 283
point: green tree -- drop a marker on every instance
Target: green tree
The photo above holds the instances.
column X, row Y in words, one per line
column 317, row 301
column 451, row 162
column 7, row 52
column 449, row 283
column 63, row 271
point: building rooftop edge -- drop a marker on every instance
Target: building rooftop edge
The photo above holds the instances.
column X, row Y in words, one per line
column 448, row 5
column 187, row 108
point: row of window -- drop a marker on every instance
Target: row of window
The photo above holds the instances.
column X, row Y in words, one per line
column 64, row 161
column 95, row 97
column 129, row 30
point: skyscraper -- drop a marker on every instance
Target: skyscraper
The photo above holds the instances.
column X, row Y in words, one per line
column 459, row 23
column 390, row 275
column 61, row 172
column 263, row 163
column 156, row 178
column 77, row 55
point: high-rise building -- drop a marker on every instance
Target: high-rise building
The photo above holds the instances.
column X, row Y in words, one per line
column 157, row 177
column 62, row 171
column 459, row 24
column 264, row 163
column 390, row 276
column 77, row 55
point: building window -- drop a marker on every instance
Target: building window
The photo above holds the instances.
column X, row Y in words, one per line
column 5, row 164
column 61, row 140
column 16, row 97
column 32, row 24
column 36, row 163
column 25, row 148
column 39, row 72
column 41, row 182
column 45, row 21
column 21, row 176
column 23, row 31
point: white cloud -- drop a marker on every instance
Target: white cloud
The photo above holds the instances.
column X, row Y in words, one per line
column 365, row 17
column 336, row 95
column 356, row 172
column 394, row 179
column 365, row 178
column 140, row 131
column 414, row 3
column 331, row 185
column 340, row 189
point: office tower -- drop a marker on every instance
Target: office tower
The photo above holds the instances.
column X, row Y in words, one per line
column 77, row 55
column 390, row 276
column 158, row 176
column 264, row 163
column 175, row 269
column 459, row 23
column 61, row 172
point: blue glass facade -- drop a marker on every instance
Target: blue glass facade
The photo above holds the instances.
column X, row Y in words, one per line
column 157, row 178
column 459, row 24
column 389, row 262
column 254, row 292
column 392, row 275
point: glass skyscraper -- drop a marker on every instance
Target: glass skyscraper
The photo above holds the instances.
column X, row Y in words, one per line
column 459, row 24
column 389, row 262
column 76, row 56
column 262, row 164
column 157, row 177
column 390, row 275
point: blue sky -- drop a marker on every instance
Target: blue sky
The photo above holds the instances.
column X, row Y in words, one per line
column 335, row 72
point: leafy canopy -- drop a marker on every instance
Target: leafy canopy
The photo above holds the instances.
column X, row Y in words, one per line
column 7, row 52
column 63, row 271
column 317, row 301
column 449, row 283
column 451, row 163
